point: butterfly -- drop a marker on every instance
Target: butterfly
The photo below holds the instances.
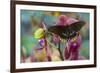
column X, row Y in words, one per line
column 68, row 31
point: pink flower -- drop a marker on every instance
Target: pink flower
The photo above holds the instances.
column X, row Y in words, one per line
column 72, row 50
column 64, row 20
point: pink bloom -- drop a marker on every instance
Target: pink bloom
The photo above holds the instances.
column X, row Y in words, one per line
column 72, row 50
column 64, row 20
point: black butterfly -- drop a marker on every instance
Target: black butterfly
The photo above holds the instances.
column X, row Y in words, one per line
column 68, row 31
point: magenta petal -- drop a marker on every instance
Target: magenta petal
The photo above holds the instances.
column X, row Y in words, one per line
column 75, row 44
column 66, row 53
column 75, row 55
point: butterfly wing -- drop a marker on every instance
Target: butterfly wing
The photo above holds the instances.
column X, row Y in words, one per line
column 67, row 31
column 59, row 30
column 77, row 26
column 74, row 28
